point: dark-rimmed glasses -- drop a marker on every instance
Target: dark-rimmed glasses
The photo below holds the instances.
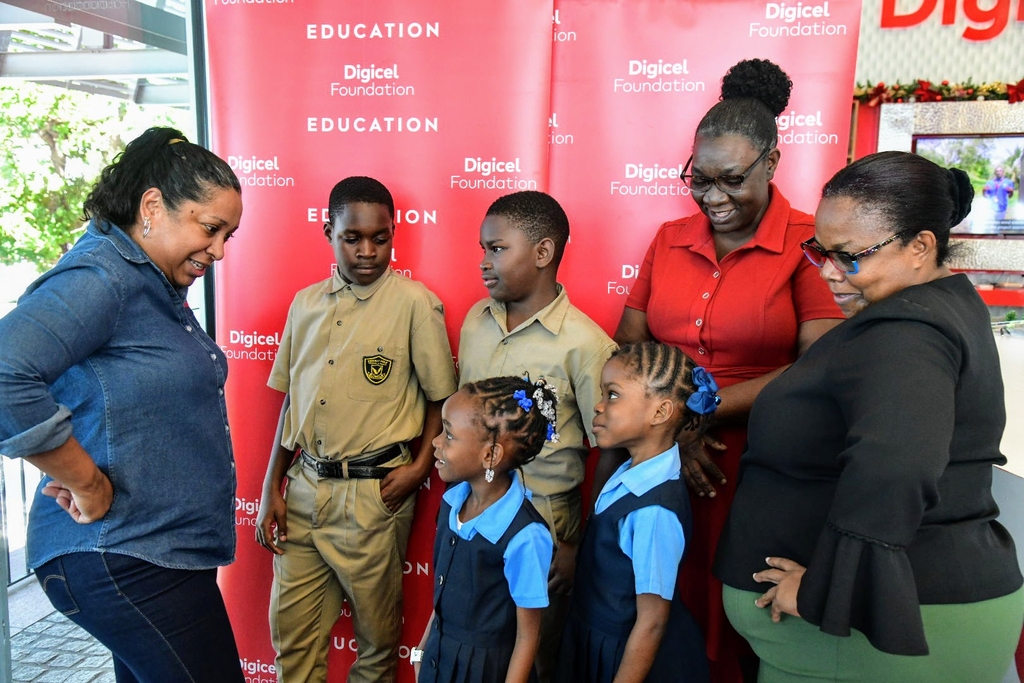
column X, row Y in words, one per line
column 844, row 261
column 729, row 184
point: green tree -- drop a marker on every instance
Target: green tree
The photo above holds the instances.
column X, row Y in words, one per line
column 53, row 145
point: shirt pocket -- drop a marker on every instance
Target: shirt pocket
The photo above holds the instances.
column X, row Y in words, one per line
column 560, row 384
column 377, row 372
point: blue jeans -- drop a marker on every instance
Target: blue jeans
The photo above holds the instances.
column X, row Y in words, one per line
column 162, row 625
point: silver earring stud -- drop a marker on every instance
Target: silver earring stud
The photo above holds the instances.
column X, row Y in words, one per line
column 489, row 475
column 146, row 227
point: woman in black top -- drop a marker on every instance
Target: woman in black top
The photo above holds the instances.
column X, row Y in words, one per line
column 867, row 480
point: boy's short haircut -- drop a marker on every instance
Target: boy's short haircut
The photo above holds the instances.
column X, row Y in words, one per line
column 537, row 214
column 358, row 189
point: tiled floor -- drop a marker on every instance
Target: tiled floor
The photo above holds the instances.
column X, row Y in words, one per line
column 46, row 647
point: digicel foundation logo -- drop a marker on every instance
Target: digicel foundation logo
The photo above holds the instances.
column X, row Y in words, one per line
column 558, row 33
column 258, row 171
column 646, row 179
column 795, row 20
column 491, row 174
column 258, row 671
column 556, row 136
column 246, row 345
column 804, row 129
column 370, row 81
column 657, row 76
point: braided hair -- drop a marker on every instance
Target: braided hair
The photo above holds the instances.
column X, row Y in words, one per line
column 502, row 413
column 667, row 372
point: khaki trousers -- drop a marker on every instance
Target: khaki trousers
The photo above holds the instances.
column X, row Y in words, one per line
column 343, row 544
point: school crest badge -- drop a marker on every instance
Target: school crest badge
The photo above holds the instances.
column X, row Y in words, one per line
column 377, row 368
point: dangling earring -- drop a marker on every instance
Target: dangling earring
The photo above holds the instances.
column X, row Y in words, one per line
column 489, row 472
column 146, row 227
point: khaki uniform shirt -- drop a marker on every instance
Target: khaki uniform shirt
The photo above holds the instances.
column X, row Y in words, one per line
column 360, row 363
column 562, row 345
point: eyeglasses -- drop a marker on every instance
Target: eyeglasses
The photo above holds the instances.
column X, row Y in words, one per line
column 729, row 184
column 842, row 260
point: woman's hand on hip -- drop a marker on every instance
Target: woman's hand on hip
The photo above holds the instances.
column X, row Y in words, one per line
column 786, row 575
column 86, row 504
column 698, row 468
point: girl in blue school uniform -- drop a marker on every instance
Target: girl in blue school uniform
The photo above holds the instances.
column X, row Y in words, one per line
column 626, row 622
column 493, row 550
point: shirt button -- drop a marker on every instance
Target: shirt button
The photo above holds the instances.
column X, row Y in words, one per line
column 705, row 295
column 188, row 328
column 440, row 580
column 701, row 351
column 330, row 362
column 698, row 322
column 227, row 428
column 213, row 356
column 323, row 401
column 319, row 442
column 338, row 323
column 451, row 541
column 715, row 274
column 220, row 392
column 504, row 342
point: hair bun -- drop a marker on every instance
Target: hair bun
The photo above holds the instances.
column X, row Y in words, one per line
column 759, row 79
column 963, row 194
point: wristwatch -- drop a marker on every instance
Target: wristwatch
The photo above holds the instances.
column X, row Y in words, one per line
column 415, row 655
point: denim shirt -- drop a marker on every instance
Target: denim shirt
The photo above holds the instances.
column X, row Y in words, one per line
column 104, row 348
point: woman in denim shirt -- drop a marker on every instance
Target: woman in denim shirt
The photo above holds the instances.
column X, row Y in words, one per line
column 110, row 387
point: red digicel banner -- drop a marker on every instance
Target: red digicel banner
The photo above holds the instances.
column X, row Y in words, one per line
column 631, row 82
column 451, row 105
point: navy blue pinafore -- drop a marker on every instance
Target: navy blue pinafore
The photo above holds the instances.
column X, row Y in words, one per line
column 603, row 608
column 474, row 629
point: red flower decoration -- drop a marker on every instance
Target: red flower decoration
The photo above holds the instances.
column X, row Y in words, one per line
column 878, row 95
column 1015, row 91
column 924, row 92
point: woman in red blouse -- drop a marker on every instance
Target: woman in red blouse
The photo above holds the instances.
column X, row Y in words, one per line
column 731, row 288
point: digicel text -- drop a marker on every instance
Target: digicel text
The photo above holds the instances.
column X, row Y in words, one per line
column 793, row 119
column 995, row 17
column 790, row 13
column 486, row 168
column 652, row 70
column 367, row 74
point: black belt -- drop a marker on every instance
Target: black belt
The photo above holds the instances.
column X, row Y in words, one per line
column 366, row 468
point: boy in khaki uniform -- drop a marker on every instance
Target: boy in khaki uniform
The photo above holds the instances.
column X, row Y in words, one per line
column 528, row 326
column 365, row 365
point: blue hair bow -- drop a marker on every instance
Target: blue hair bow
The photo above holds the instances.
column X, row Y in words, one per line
column 520, row 396
column 706, row 399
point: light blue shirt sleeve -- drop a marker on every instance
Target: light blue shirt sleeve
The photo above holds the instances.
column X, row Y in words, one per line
column 652, row 538
column 527, row 564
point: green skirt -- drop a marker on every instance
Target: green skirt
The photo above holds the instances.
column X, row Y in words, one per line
column 969, row 643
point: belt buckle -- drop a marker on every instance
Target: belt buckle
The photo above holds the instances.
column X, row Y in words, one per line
column 321, row 469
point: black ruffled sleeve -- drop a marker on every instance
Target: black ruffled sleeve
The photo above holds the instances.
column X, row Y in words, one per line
column 894, row 382
column 863, row 584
